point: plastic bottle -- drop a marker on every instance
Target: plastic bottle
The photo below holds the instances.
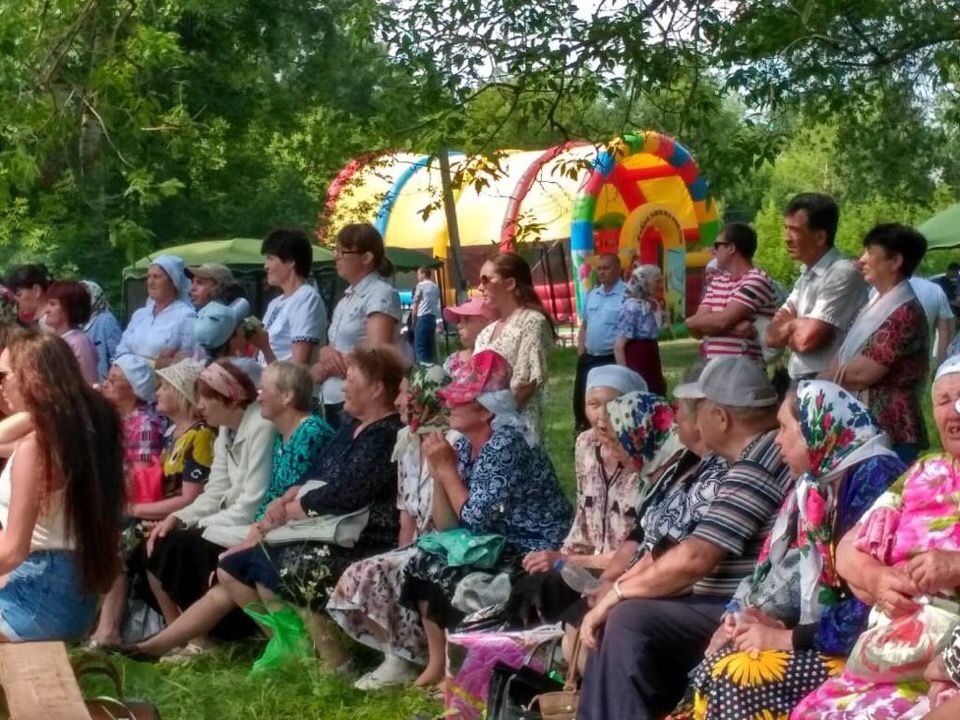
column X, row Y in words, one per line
column 578, row 578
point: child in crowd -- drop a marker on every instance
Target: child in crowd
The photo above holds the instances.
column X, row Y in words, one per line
column 470, row 318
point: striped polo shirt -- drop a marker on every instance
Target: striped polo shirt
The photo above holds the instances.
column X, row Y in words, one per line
column 742, row 513
column 754, row 289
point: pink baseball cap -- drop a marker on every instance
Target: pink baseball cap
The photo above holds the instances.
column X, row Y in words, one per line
column 474, row 307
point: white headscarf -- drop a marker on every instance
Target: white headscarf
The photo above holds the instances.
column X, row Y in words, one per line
column 504, row 408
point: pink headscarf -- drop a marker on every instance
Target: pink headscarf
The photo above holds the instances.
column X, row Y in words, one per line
column 220, row 379
column 488, row 372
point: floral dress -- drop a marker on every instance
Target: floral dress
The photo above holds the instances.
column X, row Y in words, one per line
column 795, row 581
column 368, row 591
column 917, row 514
column 358, row 473
column 900, row 344
column 524, row 341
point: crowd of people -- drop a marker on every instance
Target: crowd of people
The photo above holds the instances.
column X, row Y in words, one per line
column 772, row 542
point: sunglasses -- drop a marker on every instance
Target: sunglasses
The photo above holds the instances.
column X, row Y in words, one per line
column 340, row 253
column 486, row 280
column 717, row 245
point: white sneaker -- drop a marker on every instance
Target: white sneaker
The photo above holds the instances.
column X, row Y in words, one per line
column 394, row 670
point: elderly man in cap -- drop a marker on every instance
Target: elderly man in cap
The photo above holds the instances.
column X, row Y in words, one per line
column 212, row 281
column 660, row 614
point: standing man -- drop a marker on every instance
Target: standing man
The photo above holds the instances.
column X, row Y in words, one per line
column 736, row 298
column 598, row 329
column 939, row 314
column 826, row 297
column 425, row 311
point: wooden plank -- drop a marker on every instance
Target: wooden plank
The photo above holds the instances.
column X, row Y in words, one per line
column 39, row 683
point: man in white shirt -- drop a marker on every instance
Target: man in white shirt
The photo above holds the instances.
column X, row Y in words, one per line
column 939, row 314
column 826, row 297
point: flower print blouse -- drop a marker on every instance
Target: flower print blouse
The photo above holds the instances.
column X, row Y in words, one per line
column 637, row 321
column 607, row 497
column 513, row 491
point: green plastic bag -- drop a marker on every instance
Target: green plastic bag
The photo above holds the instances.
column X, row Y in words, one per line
column 461, row 547
column 289, row 640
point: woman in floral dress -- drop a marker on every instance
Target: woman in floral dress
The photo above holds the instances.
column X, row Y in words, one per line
column 904, row 554
column 366, row 601
column 523, row 334
column 791, row 623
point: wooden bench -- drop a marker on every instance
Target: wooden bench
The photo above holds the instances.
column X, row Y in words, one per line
column 38, row 683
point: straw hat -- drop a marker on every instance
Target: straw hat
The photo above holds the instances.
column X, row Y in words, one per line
column 183, row 376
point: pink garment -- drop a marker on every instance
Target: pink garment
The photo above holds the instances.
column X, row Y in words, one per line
column 85, row 352
column 917, row 514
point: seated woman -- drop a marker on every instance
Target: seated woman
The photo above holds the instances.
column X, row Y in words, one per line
column 357, row 473
column 61, row 494
column 494, row 481
column 185, row 464
column 132, row 389
column 791, row 624
column 904, row 552
column 470, row 318
column 608, row 490
column 183, row 549
column 366, row 601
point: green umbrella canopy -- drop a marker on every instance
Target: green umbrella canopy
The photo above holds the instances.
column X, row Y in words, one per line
column 943, row 229
column 240, row 252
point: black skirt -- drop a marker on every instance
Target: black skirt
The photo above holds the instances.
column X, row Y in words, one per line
column 183, row 562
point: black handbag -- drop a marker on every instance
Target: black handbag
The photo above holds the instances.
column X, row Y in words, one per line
column 513, row 689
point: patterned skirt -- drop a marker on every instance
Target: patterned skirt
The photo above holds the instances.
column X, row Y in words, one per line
column 368, row 593
column 846, row 697
column 757, row 684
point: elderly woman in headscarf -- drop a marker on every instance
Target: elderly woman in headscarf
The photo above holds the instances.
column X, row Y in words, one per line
column 102, row 328
column 495, row 492
column 163, row 328
column 661, row 454
column 366, row 601
column 792, row 623
column 638, row 327
column 904, row 559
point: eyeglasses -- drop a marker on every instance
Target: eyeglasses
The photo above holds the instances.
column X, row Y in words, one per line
column 717, row 245
column 340, row 253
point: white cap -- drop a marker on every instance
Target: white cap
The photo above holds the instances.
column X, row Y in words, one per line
column 735, row 381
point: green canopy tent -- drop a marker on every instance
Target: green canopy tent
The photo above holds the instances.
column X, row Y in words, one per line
column 242, row 256
column 942, row 231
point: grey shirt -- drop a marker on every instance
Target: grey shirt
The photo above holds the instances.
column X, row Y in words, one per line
column 831, row 290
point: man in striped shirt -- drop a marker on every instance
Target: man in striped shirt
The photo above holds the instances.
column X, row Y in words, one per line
column 735, row 299
column 660, row 614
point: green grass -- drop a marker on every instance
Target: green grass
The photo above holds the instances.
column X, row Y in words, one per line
column 216, row 686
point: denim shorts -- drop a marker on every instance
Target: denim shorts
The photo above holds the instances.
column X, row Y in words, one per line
column 44, row 599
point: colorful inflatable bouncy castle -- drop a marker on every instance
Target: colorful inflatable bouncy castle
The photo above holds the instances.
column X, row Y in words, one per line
column 641, row 196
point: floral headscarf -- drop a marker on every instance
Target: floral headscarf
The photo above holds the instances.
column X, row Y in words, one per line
column 98, row 300
column 638, row 284
column 839, row 432
column 644, row 424
column 425, row 408
column 426, row 411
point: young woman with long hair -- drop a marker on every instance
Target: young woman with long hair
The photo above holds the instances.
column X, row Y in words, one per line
column 61, row 494
column 523, row 335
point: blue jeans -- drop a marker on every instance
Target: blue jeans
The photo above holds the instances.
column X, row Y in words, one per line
column 425, row 339
column 44, row 599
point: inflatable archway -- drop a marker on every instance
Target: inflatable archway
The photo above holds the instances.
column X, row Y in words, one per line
column 653, row 184
column 641, row 196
